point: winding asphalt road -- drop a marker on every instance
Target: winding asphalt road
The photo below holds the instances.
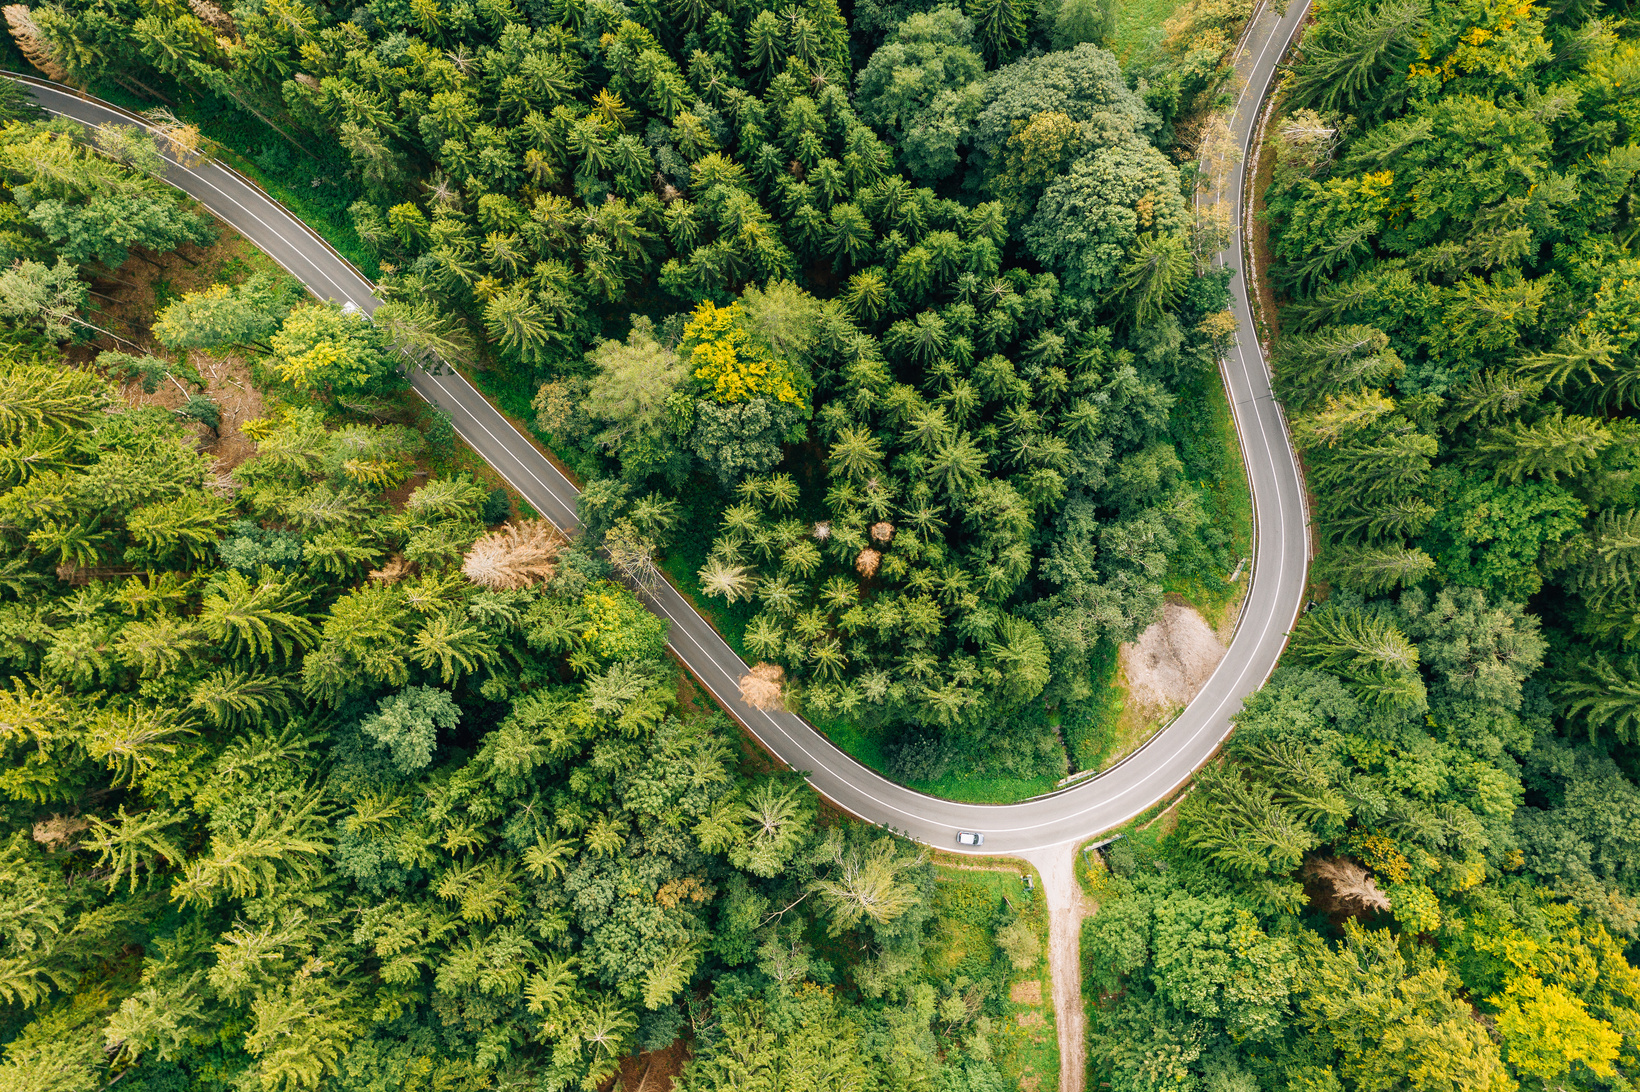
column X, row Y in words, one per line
column 1280, row 556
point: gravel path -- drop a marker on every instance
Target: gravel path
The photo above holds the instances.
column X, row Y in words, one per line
column 1057, row 866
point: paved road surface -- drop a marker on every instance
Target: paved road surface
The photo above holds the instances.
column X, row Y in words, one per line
column 1075, row 813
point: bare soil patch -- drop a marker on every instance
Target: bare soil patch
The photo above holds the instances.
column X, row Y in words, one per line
column 125, row 300
column 1172, row 659
column 227, row 383
column 655, row 1071
column 1161, row 672
column 1028, row 992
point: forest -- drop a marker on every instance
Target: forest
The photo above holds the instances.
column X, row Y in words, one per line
column 334, row 768
column 1416, row 867
column 897, row 319
column 323, row 771
column 879, row 330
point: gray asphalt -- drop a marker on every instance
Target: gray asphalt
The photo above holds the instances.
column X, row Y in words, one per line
column 1280, row 557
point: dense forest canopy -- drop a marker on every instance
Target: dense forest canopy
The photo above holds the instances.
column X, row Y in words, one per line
column 899, row 317
column 280, row 818
column 317, row 773
column 1417, row 867
column 320, row 772
column 323, row 770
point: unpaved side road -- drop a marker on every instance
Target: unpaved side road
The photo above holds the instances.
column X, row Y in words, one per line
column 1057, row 866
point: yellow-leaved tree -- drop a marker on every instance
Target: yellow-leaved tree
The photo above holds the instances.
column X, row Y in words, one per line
column 748, row 400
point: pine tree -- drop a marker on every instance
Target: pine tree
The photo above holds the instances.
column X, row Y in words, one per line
column 189, row 526
column 257, row 619
column 1547, row 448
column 1492, row 395
column 453, row 644
column 1605, row 692
column 999, row 27
column 132, row 844
column 866, row 882
column 134, row 740
column 281, row 847
column 1340, row 68
column 775, row 820
column 1239, row 825
column 1365, row 649
column 1155, row 276
column 517, row 555
column 1374, row 570
column 731, row 582
column 667, row 977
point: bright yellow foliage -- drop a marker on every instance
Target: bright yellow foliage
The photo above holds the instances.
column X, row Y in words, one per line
column 1381, row 855
column 1546, row 1030
column 1415, row 907
column 731, row 364
column 321, row 347
column 1505, row 41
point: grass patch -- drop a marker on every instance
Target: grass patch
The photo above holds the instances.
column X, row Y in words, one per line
column 1142, row 835
column 1205, row 432
column 1135, row 726
column 968, row 905
column 1091, row 739
column 1139, row 27
column 866, row 747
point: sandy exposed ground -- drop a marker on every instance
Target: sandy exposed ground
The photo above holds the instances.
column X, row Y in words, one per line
column 228, row 384
column 1171, row 660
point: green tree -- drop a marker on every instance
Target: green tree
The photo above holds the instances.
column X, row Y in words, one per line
column 50, row 296
column 1500, row 538
column 866, row 882
column 407, row 724
column 1548, row 1031
column 1605, row 692
column 1156, row 276
column 260, row 619
column 1385, row 1021
column 1363, row 648
column 630, row 394
column 818, row 1046
column 921, row 86
column 332, row 352
column 1000, row 27
column 1343, row 65
column 1090, row 220
column 1078, row 21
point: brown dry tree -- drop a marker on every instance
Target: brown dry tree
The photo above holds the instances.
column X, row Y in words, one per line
column 764, row 687
column 515, row 556
column 31, row 41
column 1354, row 891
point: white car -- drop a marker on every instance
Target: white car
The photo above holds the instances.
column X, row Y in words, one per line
column 969, row 838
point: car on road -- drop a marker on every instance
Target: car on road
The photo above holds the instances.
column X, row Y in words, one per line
column 969, row 838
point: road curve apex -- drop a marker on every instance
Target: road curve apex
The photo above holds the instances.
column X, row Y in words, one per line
column 1151, row 774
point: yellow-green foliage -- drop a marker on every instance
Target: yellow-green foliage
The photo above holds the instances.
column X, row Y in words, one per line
column 733, row 366
column 617, row 627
